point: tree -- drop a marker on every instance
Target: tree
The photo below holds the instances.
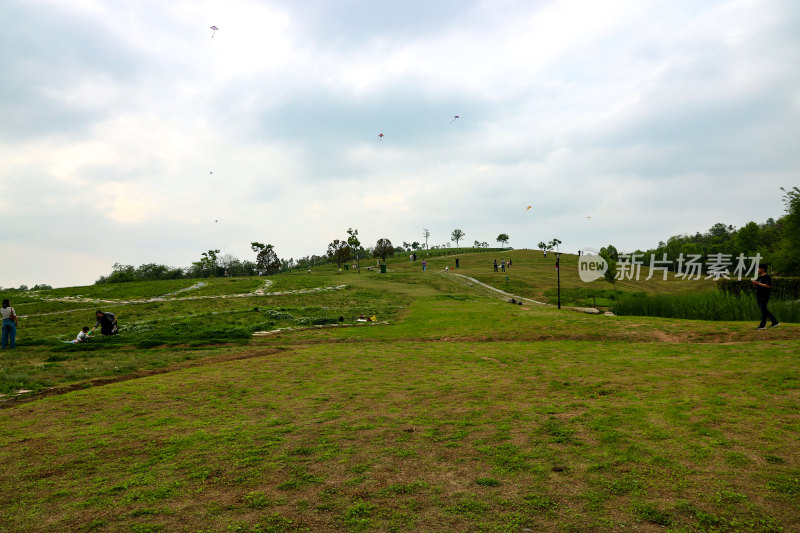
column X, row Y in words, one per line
column 747, row 239
column 383, row 249
column 414, row 245
column 207, row 265
column 554, row 244
column 266, row 258
column 457, row 235
column 426, row 233
column 719, row 230
column 610, row 275
column 609, row 252
column 787, row 256
column 543, row 246
column 502, row 239
column 339, row 252
column 354, row 243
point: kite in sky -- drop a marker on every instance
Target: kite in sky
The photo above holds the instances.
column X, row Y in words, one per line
column 454, row 119
column 528, row 208
column 380, row 136
column 213, row 31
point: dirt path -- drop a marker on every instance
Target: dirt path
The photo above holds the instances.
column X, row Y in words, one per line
column 261, row 291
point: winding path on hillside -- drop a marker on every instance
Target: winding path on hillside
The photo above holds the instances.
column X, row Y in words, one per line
column 170, row 297
column 500, row 293
column 497, row 291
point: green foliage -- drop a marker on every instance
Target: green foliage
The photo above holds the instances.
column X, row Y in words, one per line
column 457, row 235
column 339, row 252
column 503, row 238
column 383, row 249
column 782, row 288
column 266, row 258
column 787, row 257
column 278, row 315
column 777, row 242
column 146, row 272
column 711, row 305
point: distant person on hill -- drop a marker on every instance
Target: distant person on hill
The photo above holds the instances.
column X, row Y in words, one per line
column 495, row 265
column 457, row 262
column 424, row 265
column 763, row 285
column 107, row 323
column 502, row 265
column 9, row 325
column 509, row 263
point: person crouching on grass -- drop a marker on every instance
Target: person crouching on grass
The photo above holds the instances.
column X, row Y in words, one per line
column 763, row 285
column 83, row 335
column 107, row 323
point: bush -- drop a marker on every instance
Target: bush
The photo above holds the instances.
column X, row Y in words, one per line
column 278, row 315
column 713, row 305
column 310, row 321
column 782, row 288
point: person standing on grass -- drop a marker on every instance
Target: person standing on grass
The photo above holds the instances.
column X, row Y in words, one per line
column 495, row 265
column 424, row 265
column 9, row 325
column 107, row 323
column 763, row 285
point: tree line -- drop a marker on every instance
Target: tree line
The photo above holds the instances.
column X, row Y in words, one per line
column 776, row 241
column 214, row 264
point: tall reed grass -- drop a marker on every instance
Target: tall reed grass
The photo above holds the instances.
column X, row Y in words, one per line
column 712, row 305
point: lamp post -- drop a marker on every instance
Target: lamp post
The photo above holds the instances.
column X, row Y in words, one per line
column 558, row 277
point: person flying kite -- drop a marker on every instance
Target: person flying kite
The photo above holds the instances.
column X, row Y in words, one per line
column 454, row 119
column 213, row 31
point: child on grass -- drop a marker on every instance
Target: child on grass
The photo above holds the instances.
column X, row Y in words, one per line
column 83, row 335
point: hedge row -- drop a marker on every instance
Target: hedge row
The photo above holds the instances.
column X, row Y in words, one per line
column 782, row 288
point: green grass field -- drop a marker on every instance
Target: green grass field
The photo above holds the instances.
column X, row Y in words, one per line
column 456, row 411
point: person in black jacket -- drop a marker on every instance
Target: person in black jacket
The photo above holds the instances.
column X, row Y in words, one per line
column 763, row 285
column 107, row 323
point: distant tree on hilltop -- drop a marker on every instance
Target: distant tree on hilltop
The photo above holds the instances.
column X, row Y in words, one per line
column 457, row 235
column 383, row 249
column 339, row 252
column 266, row 258
column 502, row 239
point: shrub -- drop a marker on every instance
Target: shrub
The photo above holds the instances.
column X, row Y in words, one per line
column 782, row 288
column 278, row 315
column 712, row 305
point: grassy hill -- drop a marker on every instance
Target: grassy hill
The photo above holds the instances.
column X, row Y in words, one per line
column 456, row 411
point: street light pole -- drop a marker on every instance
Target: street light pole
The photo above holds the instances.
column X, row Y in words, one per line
column 558, row 277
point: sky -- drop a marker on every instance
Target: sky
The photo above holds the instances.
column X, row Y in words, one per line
column 132, row 133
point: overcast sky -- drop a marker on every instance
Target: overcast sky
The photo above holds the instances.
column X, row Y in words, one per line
column 128, row 134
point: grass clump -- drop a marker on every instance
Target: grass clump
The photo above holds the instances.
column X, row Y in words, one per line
column 709, row 305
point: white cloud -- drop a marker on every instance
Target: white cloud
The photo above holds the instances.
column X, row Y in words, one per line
column 131, row 117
